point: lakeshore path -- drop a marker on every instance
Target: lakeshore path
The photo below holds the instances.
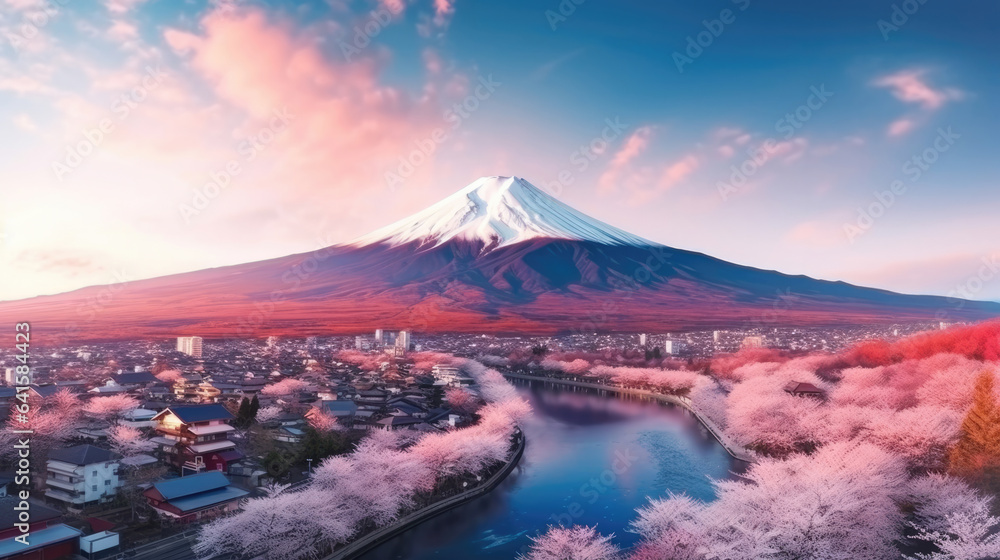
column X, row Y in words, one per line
column 734, row 449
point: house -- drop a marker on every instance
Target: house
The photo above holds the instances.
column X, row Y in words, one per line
column 196, row 437
column 289, row 434
column 48, row 540
column 393, row 423
column 139, row 418
column 137, row 380
column 194, row 497
column 803, row 390
column 82, row 474
column 339, row 409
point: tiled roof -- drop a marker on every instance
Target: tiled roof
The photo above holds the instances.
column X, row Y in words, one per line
column 200, row 413
column 191, row 485
column 85, row 454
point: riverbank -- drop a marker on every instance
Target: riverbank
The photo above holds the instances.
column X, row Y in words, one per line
column 372, row 540
column 731, row 447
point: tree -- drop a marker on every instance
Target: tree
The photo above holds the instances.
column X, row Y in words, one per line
column 112, row 407
column 130, row 444
column 575, row 543
column 254, row 407
column 978, row 447
column 318, row 445
column 960, row 531
column 461, row 400
column 838, row 504
column 243, row 417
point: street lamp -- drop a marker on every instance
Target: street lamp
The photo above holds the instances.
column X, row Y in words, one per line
column 309, row 464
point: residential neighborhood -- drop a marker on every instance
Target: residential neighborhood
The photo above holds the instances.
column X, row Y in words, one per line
column 140, row 440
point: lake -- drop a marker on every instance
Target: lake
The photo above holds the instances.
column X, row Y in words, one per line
column 591, row 459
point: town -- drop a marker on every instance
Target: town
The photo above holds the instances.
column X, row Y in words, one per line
column 136, row 441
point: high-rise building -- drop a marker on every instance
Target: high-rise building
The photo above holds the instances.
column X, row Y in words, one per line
column 643, row 340
column 272, row 341
column 9, row 376
column 385, row 338
column 403, row 340
column 715, row 336
column 674, row 347
column 190, row 345
column 753, row 342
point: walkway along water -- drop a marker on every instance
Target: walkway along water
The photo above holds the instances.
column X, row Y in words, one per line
column 366, row 543
column 733, row 448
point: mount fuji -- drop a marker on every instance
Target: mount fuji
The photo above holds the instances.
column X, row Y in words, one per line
column 498, row 256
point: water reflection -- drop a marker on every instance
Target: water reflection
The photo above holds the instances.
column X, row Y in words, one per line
column 591, row 459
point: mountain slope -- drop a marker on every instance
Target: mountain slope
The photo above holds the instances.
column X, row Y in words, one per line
column 499, row 256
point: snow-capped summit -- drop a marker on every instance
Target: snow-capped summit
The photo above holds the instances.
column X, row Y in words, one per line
column 499, row 211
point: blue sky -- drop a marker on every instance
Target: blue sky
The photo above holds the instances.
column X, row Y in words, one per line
column 136, row 205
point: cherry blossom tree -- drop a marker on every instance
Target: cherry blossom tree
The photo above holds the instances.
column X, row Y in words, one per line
column 461, row 400
column 285, row 387
column 322, row 420
column 128, row 441
column 575, row 543
column 268, row 413
column 111, row 407
column 169, row 376
column 840, row 503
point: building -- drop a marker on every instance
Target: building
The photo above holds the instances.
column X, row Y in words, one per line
column 753, row 342
column 82, row 474
column 643, row 340
column 403, row 341
column 674, row 347
column 384, row 338
column 803, row 390
column 136, row 380
column 196, row 437
column 194, row 497
column 190, row 345
column 10, row 377
column 362, row 343
column 715, row 336
column 48, row 539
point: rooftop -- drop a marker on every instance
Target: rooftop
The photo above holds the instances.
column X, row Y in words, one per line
column 85, row 454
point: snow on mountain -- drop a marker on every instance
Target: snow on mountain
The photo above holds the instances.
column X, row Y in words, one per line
column 499, row 211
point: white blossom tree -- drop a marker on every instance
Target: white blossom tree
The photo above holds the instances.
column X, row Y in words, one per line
column 573, row 543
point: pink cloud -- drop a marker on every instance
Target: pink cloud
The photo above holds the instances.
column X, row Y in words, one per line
column 633, row 147
column 678, row 171
column 900, row 127
column 909, row 86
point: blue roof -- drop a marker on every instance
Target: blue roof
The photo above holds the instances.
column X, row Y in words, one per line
column 340, row 406
column 208, row 499
column 38, row 539
column 189, row 485
column 201, row 413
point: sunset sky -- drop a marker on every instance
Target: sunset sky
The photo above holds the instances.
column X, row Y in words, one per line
column 336, row 94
